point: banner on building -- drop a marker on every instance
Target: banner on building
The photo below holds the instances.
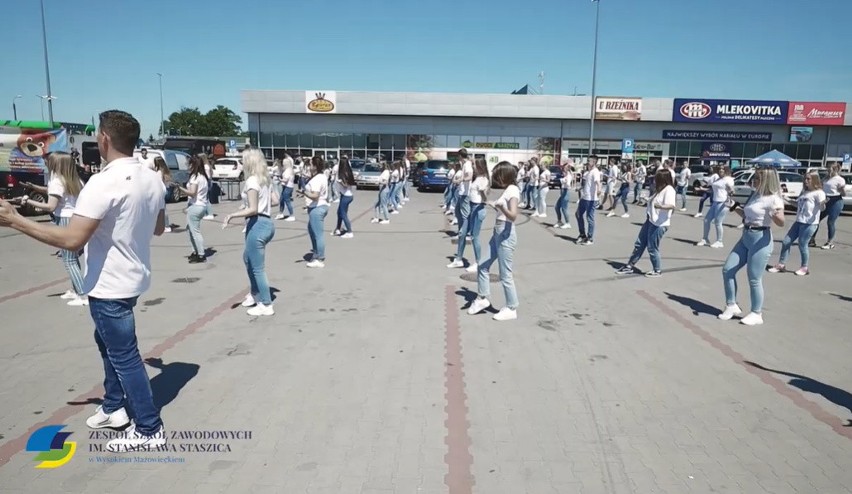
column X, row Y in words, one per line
column 715, row 135
column 25, row 150
column 804, row 112
column 715, row 151
column 321, row 101
column 729, row 111
column 801, row 134
column 608, row 108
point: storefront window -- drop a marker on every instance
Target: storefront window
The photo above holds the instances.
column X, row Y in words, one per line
column 265, row 139
column 279, row 140
column 439, row 141
column 306, row 141
column 359, row 141
column 345, row 141
column 453, row 141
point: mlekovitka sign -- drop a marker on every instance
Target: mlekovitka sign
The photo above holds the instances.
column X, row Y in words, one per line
column 729, row 111
column 618, row 108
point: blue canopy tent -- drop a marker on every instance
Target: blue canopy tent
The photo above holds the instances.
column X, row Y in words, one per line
column 774, row 158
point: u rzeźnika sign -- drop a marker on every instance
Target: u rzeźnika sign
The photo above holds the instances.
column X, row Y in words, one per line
column 618, row 108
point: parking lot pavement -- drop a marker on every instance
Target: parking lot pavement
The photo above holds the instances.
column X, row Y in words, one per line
column 370, row 377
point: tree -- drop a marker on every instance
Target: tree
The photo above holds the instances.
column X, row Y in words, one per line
column 218, row 122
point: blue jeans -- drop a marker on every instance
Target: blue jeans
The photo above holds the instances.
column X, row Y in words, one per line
column 622, row 194
column 534, row 196
column 194, row 216
column 753, row 251
column 716, row 215
column 562, row 207
column 448, row 194
column 405, row 188
column 381, row 207
column 649, row 237
column 393, row 195
column 477, row 216
column 833, row 208
column 125, row 380
column 463, row 214
column 586, row 211
column 316, row 218
column 802, row 233
column 286, row 200
column 259, row 231
column 681, row 192
column 704, row 198
column 343, row 212
column 637, row 188
column 71, row 260
column 502, row 249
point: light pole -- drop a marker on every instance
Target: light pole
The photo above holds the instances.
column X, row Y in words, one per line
column 594, row 77
column 162, row 122
column 14, row 107
column 49, row 96
column 49, row 105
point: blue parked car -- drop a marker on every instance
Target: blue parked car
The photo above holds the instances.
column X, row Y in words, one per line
column 433, row 175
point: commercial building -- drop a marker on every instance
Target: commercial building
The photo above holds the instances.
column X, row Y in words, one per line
column 515, row 127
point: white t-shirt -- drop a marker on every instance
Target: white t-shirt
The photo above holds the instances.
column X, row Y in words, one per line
column 712, row 178
column 335, row 170
column 394, row 176
column 533, row 174
column 384, row 177
column 127, row 197
column 208, row 170
column 450, row 174
column 590, row 185
column 65, row 206
column 478, row 184
column 641, row 173
column 809, row 207
column 264, row 204
column 759, row 209
column 467, row 168
column 149, row 161
column 200, row 198
column 544, row 178
column 512, row 191
column 683, row 178
column 833, row 186
column 318, row 184
column 289, row 177
column 674, row 177
column 661, row 217
column 521, row 174
column 567, row 179
column 720, row 188
column 343, row 189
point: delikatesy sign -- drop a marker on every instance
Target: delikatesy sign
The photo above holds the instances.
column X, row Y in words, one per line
column 730, row 111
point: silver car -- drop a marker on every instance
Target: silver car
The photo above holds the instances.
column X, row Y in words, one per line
column 368, row 176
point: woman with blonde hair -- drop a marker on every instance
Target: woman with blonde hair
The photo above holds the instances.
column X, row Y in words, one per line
column 62, row 190
column 754, row 248
column 316, row 195
column 835, row 189
column 196, row 207
column 566, row 182
column 208, row 170
column 257, row 195
column 808, row 209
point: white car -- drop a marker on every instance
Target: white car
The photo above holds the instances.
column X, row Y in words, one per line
column 228, row 169
column 791, row 186
column 847, row 197
column 178, row 163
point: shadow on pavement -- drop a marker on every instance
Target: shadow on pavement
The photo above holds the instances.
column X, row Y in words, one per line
column 841, row 297
column 697, row 306
column 683, row 240
column 835, row 395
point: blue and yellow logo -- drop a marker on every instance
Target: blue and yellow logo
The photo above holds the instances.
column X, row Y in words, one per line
column 53, row 450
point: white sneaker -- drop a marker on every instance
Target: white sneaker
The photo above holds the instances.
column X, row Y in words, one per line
column 394, row 212
column 209, row 217
column 543, row 215
column 131, row 441
column 244, row 229
column 698, row 215
column 261, row 310
column 683, row 209
column 316, row 263
column 740, row 226
column 335, row 201
column 70, row 294
column 279, row 216
column 79, row 301
column 454, row 222
column 730, row 311
column 752, row 319
column 348, row 235
column 625, row 215
column 384, row 222
column 565, row 226
column 101, row 420
column 717, row 245
column 478, row 305
column 248, row 301
column 290, row 218
column 457, row 263
column 167, row 229
column 336, row 233
column 701, row 243
column 610, row 214
column 374, row 220
column 506, row 314
column 472, row 268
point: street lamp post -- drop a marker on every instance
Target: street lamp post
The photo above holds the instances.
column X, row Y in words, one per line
column 49, row 105
column 594, row 77
column 14, row 107
column 162, row 121
column 49, row 96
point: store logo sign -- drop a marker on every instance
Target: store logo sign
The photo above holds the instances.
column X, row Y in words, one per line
column 695, row 110
column 729, row 111
column 320, row 101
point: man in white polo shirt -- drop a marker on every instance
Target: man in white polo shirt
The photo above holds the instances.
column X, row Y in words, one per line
column 117, row 213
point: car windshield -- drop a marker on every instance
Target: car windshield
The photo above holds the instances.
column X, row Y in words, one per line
column 372, row 168
column 357, row 164
column 555, row 169
column 791, row 177
column 437, row 165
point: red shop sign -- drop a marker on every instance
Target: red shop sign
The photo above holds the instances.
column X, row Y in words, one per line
column 805, row 112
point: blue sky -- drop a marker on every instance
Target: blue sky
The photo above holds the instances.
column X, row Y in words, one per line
column 105, row 53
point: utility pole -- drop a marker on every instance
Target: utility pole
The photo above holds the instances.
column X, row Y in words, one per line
column 49, row 96
column 594, row 77
column 162, row 120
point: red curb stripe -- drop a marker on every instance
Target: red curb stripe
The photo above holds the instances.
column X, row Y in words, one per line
column 34, row 289
column 835, row 423
column 60, row 416
column 458, row 458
